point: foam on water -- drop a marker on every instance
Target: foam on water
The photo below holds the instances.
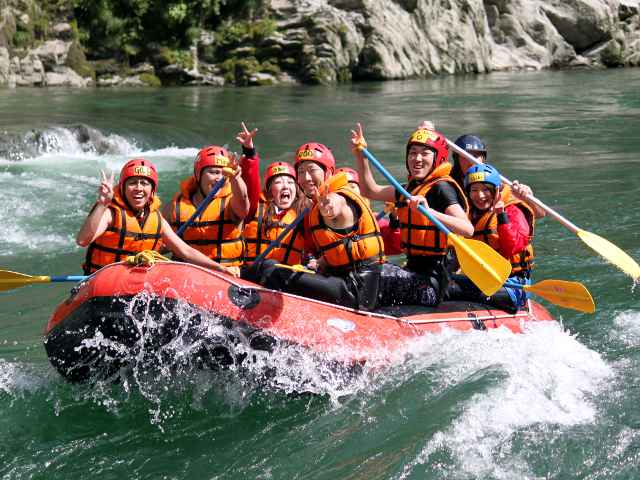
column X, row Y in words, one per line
column 549, row 379
column 627, row 327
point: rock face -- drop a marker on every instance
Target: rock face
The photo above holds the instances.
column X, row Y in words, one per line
column 328, row 41
column 334, row 40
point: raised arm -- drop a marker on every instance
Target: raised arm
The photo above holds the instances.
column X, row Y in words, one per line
column 368, row 185
column 100, row 216
column 239, row 198
column 250, row 165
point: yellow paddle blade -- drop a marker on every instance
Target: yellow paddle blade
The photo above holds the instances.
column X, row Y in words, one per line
column 10, row 280
column 481, row 263
column 611, row 253
column 572, row 295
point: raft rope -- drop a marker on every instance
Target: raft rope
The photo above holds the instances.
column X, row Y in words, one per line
column 147, row 257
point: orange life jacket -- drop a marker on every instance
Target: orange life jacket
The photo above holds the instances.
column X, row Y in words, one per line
column 125, row 236
column 257, row 236
column 215, row 232
column 486, row 230
column 344, row 252
column 420, row 237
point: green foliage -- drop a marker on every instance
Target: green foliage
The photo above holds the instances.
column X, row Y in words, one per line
column 150, row 80
column 78, row 62
column 126, row 28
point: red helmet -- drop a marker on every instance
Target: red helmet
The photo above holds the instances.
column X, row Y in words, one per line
column 138, row 167
column 211, row 156
column 352, row 175
column 278, row 168
column 433, row 140
column 318, row 153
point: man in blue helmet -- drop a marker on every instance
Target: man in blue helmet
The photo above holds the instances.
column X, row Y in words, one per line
column 473, row 145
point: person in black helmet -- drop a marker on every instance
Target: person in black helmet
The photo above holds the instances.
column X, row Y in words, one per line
column 476, row 147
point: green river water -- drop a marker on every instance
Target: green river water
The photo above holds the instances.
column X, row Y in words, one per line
column 560, row 401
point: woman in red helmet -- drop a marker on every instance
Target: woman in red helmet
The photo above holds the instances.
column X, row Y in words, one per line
column 341, row 230
column 424, row 277
column 217, row 232
column 278, row 208
column 127, row 221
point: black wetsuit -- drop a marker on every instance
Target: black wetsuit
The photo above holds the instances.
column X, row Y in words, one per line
column 424, row 278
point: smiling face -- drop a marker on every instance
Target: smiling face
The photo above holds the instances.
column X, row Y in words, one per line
column 482, row 196
column 310, row 177
column 420, row 161
column 282, row 190
column 137, row 192
column 208, row 178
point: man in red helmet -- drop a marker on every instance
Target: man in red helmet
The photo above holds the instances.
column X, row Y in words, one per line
column 424, row 278
column 127, row 220
column 217, row 231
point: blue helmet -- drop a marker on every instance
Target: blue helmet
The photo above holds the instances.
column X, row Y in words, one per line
column 482, row 173
column 471, row 143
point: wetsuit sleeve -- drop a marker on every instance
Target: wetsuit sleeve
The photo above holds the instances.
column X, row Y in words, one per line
column 391, row 237
column 443, row 195
column 513, row 231
column 250, row 164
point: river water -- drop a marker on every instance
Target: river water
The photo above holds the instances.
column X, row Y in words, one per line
column 560, row 401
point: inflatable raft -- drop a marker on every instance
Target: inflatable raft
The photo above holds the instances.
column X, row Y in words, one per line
column 111, row 314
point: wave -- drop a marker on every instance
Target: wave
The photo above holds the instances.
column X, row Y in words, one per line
column 72, row 140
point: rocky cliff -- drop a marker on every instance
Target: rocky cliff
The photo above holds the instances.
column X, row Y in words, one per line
column 327, row 41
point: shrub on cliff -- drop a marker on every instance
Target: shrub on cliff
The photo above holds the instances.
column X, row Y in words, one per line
column 124, row 28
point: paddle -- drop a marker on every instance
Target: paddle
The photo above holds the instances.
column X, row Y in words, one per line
column 260, row 258
column 204, row 204
column 10, row 280
column 601, row 246
column 572, row 295
column 332, row 184
column 481, row 263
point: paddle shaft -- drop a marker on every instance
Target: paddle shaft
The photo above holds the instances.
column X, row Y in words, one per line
column 571, row 226
column 403, row 191
column 279, row 238
column 68, row 278
column 204, row 204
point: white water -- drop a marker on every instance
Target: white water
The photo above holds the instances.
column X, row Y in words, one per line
column 550, row 380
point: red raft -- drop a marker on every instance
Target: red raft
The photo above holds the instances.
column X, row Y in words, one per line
column 112, row 312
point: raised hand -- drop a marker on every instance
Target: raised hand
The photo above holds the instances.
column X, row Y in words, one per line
column 357, row 139
column 427, row 125
column 245, row 137
column 105, row 190
column 233, row 170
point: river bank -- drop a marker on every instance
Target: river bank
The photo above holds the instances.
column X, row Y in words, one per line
column 313, row 41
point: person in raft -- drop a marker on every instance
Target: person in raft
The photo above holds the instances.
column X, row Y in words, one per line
column 279, row 206
column 127, row 220
column 476, row 147
column 506, row 224
column 217, row 232
column 389, row 226
column 343, row 232
column 424, row 278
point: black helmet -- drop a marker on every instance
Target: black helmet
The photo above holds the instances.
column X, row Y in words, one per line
column 471, row 143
